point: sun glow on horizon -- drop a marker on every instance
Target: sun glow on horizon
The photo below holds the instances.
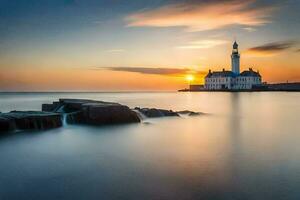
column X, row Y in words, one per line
column 189, row 77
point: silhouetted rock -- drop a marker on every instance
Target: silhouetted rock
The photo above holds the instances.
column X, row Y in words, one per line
column 85, row 111
column 29, row 120
column 50, row 107
column 75, row 117
column 189, row 113
column 6, row 124
column 154, row 112
column 97, row 113
column 79, row 111
column 194, row 114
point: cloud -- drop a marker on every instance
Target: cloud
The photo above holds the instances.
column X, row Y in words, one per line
column 201, row 16
column 270, row 48
column 149, row 70
column 249, row 29
column 203, row 44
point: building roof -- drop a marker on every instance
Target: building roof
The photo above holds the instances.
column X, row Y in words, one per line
column 250, row 72
column 223, row 73
column 226, row 73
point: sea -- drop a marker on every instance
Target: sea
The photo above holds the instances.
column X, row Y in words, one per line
column 243, row 146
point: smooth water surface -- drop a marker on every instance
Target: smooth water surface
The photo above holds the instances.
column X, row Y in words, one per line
column 246, row 146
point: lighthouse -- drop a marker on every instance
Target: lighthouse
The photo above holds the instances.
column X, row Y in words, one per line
column 233, row 80
column 235, row 59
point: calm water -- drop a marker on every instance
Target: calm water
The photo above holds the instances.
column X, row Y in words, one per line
column 247, row 146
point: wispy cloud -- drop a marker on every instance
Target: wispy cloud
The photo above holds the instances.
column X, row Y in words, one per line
column 202, row 44
column 270, row 49
column 149, row 70
column 200, row 16
column 250, row 29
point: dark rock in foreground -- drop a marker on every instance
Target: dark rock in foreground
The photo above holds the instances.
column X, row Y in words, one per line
column 29, row 120
column 79, row 111
column 189, row 113
column 85, row 111
column 153, row 112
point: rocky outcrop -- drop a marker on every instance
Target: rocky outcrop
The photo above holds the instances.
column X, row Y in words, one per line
column 98, row 114
column 50, row 107
column 189, row 113
column 80, row 111
column 84, row 111
column 154, row 112
column 29, row 120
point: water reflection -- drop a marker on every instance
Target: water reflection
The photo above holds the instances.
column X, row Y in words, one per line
column 245, row 148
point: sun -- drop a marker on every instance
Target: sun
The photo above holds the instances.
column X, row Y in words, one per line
column 189, row 77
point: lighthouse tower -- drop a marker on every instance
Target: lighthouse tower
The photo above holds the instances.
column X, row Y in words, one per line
column 235, row 59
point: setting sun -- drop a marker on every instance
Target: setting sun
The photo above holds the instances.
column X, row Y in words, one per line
column 189, row 77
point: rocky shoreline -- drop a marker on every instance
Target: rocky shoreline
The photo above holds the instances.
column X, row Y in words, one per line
column 80, row 111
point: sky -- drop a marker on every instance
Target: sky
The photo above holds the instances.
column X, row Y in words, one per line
column 141, row 45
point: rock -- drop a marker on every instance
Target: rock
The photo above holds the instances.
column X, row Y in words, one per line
column 79, row 111
column 189, row 113
column 194, row 114
column 74, row 117
column 29, row 120
column 98, row 114
column 85, row 111
column 47, row 107
column 153, row 112
column 6, row 124
column 50, row 107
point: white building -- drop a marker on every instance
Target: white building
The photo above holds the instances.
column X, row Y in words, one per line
column 233, row 80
